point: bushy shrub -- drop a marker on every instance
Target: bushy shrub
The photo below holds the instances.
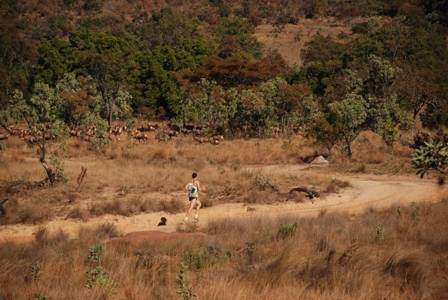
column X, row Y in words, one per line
column 287, row 230
column 432, row 155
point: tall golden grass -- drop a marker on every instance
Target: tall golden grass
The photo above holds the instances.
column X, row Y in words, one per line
column 400, row 253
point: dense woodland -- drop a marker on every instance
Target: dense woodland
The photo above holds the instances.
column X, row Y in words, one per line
column 81, row 63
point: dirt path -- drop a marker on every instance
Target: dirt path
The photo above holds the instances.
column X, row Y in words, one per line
column 367, row 191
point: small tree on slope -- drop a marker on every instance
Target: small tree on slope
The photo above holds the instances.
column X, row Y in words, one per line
column 40, row 113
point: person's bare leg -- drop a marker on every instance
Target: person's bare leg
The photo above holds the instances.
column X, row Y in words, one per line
column 192, row 205
column 198, row 206
column 189, row 209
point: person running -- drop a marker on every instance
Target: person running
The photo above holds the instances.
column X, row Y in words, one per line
column 193, row 189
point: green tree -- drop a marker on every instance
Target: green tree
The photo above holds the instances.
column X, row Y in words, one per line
column 106, row 59
column 209, row 105
column 17, row 55
column 41, row 113
column 153, row 87
column 418, row 89
column 79, row 96
column 55, row 60
column 82, row 106
column 241, row 31
column 176, row 40
column 384, row 111
column 347, row 118
column 316, row 125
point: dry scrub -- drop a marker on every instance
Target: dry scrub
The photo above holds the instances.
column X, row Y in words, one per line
column 400, row 253
column 129, row 178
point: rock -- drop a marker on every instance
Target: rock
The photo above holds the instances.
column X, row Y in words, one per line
column 320, row 160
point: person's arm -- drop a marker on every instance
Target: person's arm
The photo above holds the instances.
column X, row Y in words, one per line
column 200, row 187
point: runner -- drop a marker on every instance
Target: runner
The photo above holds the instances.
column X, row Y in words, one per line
column 193, row 189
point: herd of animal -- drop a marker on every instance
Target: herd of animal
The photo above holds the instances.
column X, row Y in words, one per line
column 139, row 133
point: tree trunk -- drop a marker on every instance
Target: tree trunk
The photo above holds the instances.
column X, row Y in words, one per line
column 51, row 175
column 108, row 103
column 109, row 117
column 329, row 148
column 349, row 149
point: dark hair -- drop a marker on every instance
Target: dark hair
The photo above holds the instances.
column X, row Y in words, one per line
column 194, row 175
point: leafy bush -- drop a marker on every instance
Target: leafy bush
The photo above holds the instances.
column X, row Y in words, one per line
column 431, row 156
column 95, row 253
column 40, row 296
column 287, row 230
column 195, row 259
column 183, row 288
column 98, row 277
column 58, row 166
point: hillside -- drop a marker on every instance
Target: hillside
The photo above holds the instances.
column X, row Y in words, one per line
column 291, row 39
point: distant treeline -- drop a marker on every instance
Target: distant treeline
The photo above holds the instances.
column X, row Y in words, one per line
column 198, row 62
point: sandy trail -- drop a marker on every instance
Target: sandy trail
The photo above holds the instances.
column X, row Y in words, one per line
column 367, row 191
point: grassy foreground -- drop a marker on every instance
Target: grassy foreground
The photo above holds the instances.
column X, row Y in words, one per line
column 400, row 253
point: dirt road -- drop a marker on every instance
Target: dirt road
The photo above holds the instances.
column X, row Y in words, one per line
column 367, row 191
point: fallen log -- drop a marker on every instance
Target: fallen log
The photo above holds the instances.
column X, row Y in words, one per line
column 309, row 192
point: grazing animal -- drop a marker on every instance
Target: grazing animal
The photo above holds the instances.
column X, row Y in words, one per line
column 162, row 222
column 141, row 137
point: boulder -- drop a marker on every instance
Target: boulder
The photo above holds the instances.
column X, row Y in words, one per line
column 320, row 160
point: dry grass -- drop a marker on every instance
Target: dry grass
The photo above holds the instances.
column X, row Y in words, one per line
column 129, row 178
column 335, row 185
column 393, row 254
column 135, row 206
column 79, row 213
column 372, row 155
column 293, row 39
